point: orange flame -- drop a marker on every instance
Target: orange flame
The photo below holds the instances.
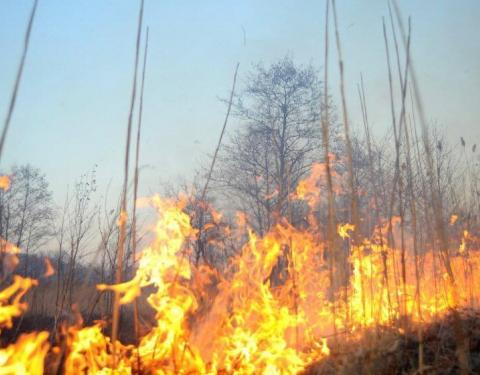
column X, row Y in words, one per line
column 5, row 182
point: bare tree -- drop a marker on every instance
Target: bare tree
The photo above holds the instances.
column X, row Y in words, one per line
column 277, row 143
column 74, row 236
column 26, row 210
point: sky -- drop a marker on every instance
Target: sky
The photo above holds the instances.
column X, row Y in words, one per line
column 72, row 108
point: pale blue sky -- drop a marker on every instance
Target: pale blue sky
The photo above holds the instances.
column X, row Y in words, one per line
column 72, row 108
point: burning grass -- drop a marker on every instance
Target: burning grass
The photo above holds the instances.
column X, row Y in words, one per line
column 388, row 286
column 253, row 319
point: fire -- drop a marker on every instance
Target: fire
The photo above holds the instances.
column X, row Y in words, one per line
column 273, row 309
column 5, row 182
column 27, row 354
column 11, row 305
column 253, row 335
column 49, row 270
column 343, row 230
column 90, row 352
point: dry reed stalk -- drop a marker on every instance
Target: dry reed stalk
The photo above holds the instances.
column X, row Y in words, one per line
column 366, row 125
column 353, row 187
column 427, row 210
column 402, row 124
column 390, row 237
column 395, row 43
column 413, row 213
column 123, row 211
column 212, row 165
column 16, row 86
column 59, row 269
column 291, row 264
column 331, row 229
column 361, row 94
column 217, row 149
column 462, row 342
column 416, row 149
column 135, row 181
column 471, row 199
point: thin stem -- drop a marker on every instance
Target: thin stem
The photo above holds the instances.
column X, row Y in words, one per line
column 123, row 211
column 16, row 86
column 200, row 245
column 135, row 179
column 353, row 187
column 331, row 235
column 230, row 102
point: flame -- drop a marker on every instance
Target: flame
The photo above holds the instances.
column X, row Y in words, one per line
column 27, row 354
column 11, row 305
column 49, row 270
column 343, row 230
column 5, row 182
column 8, row 254
column 253, row 335
column 162, row 265
column 269, row 311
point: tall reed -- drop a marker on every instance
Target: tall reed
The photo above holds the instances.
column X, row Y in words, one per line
column 135, row 180
column 122, row 220
column 18, row 79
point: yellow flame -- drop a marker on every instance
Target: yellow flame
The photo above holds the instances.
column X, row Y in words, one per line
column 343, row 229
